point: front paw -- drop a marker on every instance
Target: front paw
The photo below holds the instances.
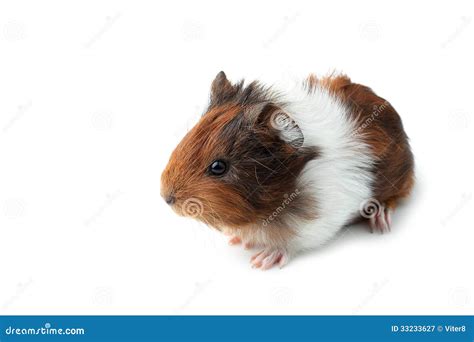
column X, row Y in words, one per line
column 235, row 240
column 270, row 257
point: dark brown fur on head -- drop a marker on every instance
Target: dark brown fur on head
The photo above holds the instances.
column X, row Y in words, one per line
column 263, row 168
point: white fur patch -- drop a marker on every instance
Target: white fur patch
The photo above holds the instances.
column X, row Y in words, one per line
column 340, row 177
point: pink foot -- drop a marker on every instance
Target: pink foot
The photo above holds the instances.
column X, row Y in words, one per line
column 248, row 245
column 381, row 220
column 270, row 257
column 234, row 240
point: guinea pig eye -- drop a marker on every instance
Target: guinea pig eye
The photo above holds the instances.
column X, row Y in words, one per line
column 218, row 168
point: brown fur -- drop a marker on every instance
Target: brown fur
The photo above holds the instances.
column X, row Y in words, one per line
column 380, row 126
column 264, row 169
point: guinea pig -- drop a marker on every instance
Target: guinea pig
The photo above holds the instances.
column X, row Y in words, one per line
column 284, row 171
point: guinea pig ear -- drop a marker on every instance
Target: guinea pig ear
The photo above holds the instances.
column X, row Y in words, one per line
column 221, row 89
column 277, row 120
column 287, row 128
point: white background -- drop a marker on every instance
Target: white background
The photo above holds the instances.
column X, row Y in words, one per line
column 95, row 95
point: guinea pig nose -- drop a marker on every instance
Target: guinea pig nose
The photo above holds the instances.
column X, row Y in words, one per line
column 170, row 199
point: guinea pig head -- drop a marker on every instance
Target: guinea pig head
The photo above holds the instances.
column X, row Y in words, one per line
column 239, row 162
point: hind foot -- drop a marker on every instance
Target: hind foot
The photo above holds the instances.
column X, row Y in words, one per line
column 270, row 257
